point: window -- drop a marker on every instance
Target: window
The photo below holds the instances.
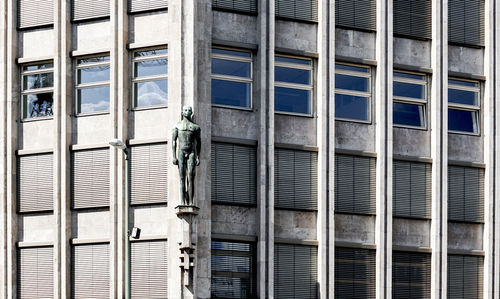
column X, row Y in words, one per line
column 37, row 90
column 231, row 78
column 466, row 22
column 301, row 10
column 295, row 271
column 357, row 14
column 465, row 194
column 463, row 106
column 293, row 85
column 409, row 100
column 411, row 189
column 92, row 86
column 354, row 184
column 35, row 192
column 148, row 269
column 90, row 271
column 465, row 276
column 35, row 13
column 413, row 18
column 234, row 173
column 150, row 81
column 35, row 272
column 89, row 9
column 352, row 92
column 411, row 275
column 296, row 179
column 146, row 5
column 354, row 273
column 242, row 6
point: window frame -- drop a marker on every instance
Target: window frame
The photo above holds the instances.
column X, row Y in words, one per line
column 413, row 101
column 78, row 87
column 36, row 90
column 368, row 94
column 233, row 78
column 475, row 109
column 134, row 79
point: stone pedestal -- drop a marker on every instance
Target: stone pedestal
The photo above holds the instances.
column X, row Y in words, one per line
column 187, row 214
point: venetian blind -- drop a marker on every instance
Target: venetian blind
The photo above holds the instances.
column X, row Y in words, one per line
column 35, row 183
column 465, row 194
column 413, row 18
column 357, row 14
column 246, row 6
column 411, row 275
column 465, row 276
column 411, row 189
column 34, row 13
column 466, row 22
column 149, row 269
column 90, row 271
column 89, row 9
column 146, row 5
column 35, row 273
column 354, row 273
column 303, row 10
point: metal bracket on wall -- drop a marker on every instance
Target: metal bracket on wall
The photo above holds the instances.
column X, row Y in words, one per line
column 187, row 214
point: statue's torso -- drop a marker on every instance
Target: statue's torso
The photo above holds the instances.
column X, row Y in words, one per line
column 186, row 132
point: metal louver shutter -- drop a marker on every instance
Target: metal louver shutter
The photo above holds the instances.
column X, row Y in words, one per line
column 148, row 174
column 411, row 275
column 89, row 9
column 465, row 277
column 296, row 179
column 354, row 273
column 304, row 10
column 35, row 273
column 295, row 271
column 411, row 189
column 233, row 170
column 248, row 6
column 466, row 22
column 149, row 271
column 33, row 13
column 233, row 270
column 358, row 14
column 145, row 5
column 35, row 183
column 413, row 18
column 354, row 184
column 465, row 194
column 90, row 271
column 90, row 178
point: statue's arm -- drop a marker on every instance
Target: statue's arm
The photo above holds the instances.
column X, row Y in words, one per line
column 174, row 145
column 198, row 145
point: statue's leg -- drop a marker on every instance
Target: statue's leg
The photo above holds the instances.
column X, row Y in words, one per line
column 191, row 175
column 182, row 176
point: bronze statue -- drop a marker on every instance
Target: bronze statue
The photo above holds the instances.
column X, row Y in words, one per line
column 187, row 155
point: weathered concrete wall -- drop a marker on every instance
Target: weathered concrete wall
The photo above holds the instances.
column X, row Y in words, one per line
column 92, row 36
column 410, row 142
column 36, row 43
column 465, row 236
column 36, row 228
column 352, row 43
column 234, row 27
column 234, row 123
column 298, row 225
column 412, row 52
column 297, row 36
column 148, row 28
column 148, row 124
column 295, row 129
column 92, row 129
column 465, row 148
column 235, row 220
column 150, row 219
column 466, row 60
column 411, row 232
column 36, row 134
column 358, row 229
column 354, row 136
column 90, row 224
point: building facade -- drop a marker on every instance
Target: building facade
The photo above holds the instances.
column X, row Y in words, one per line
column 349, row 148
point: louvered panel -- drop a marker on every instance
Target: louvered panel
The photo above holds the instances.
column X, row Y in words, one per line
column 354, row 273
column 149, row 270
column 296, row 179
column 466, row 22
column 148, row 174
column 248, row 6
column 413, row 18
column 33, row 13
column 411, row 275
column 89, row 9
column 145, row 5
column 465, row 194
column 35, row 183
column 90, row 178
column 411, row 189
column 401, row 188
column 90, row 271
column 35, row 270
column 465, row 277
column 305, row 10
column 359, row 14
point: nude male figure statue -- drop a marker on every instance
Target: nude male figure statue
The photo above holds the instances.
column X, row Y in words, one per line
column 187, row 155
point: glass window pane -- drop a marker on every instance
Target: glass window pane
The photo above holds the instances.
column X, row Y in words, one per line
column 351, row 82
column 151, row 93
column 462, row 96
column 409, row 76
column 352, row 68
column 408, row 90
column 38, row 81
column 93, row 99
column 151, row 67
column 292, row 60
column 38, row 67
column 230, row 52
column 150, row 53
column 352, row 107
column 291, row 75
column 463, row 83
column 408, row 114
column 230, row 93
column 38, row 105
column 93, row 59
column 292, row 100
column 231, row 68
column 93, row 74
column 461, row 120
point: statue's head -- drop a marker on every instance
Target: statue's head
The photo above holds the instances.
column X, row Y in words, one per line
column 187, row 111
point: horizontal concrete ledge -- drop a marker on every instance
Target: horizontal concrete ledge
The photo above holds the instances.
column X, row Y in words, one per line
column 233, row 44
column 356, row 60
column 355, row 153
column 466, row 252
column 22, row 60
column 466, row 163
column 146, row 141
column 77, row 147
column 296, row 52
column 230, row 237
column 234, row 140
column 34, row 244
column 149, row 238
column 452, row 75
column 297, row 242
column 412, row 68
column 89, row 241
column 301, row 147
column 355, row 245
column 23, row 152
column 412, row 158
column 79, row 53
column 135, row 46
column 412, row 249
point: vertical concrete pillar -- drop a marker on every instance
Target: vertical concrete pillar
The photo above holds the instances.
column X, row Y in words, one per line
column 439, row 147
column 265, row 170
column 325, row 95
column 383, row 147
column 3, row 148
